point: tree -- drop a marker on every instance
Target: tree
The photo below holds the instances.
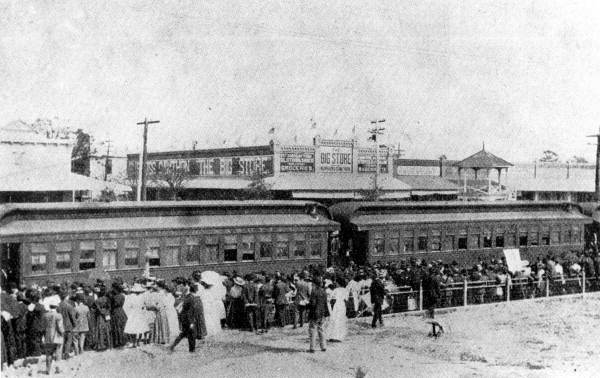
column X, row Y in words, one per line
column 107, row 195
column 51, row 129
column 578, row 160
column 373, row 193
column 549, row 157
column 80, row 156
column 170, row 177
column 258, row 189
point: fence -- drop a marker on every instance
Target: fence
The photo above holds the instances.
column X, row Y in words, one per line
column 469, row 293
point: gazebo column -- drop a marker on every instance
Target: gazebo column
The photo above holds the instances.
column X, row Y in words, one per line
column 489, row 181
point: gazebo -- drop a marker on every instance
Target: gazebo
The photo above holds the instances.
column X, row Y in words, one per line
column 482, row 160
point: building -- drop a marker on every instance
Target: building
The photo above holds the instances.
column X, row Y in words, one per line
column 328, row 171
column 36, row 167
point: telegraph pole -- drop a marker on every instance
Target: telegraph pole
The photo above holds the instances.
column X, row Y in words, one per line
column 107, row 158
column 376, row 130
column 597, row 187
column 141, row 186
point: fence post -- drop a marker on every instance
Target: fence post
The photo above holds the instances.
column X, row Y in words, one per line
column 465, row 293
column 421, row 296
column 508, row 287
column 583, row 283
column 547, row 286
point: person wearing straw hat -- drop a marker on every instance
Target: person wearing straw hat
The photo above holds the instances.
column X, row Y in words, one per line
column 54, row 331
column 137, row 324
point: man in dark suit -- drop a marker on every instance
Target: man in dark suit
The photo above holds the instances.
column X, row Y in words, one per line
column 188, row 319
column 377, row 297
column 317, row 312
column 67, row 310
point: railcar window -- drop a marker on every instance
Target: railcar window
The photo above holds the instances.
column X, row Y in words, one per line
column 378, row 243
column 522, row 238
column 394, row 248
column 153, row 252
column 566, row 239
column 192, row 250
column 511, row 240
column 499, row 238
column 487, row 239
column 171, row 254
column 109, row 254
column 422, row 241
column 282, row 249
column 230, row 248
column 212, row 248
column 449, row 239
column 314, row 244
column 87, row 259
column 265, row 246
column 63, row 256
column 132, row 252
column 299, row 245
column 555, row 235
column 247, row 248
column 436, row 243
column 39, row 255
column 534, row 237
column 409, row 241
column 475, row 240
column 576, row 235
column 545, row 235
column 462, row 240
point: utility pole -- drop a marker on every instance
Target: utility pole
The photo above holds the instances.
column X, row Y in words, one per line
column 141, row 186
column 107, row 159
column 597, row 186
column 376, row 130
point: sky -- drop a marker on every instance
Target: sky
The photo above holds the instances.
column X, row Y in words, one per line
column 521, row 76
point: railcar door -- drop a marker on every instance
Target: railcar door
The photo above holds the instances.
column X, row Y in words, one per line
column 10, row 260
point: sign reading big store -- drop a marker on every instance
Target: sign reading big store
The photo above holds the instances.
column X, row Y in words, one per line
column 335, row 156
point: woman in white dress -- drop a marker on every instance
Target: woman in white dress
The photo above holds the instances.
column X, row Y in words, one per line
column 137, row 320
column 172, row 319
column 212, row 312
column 337, row 325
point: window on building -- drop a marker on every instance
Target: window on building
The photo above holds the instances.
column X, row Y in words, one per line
column 300, row 245
column 282, row 248
column 171, row 253
column 247, row 248
column 230, row 248
column 409, row 241
column 449, row 240
column 39, row 256
column 132, row 253
column 487, row 239
column 499, row 238
column 436, row 243
column 87, row 258
column 378, row 243
column 462, row 240
column 211, row 243
column 109, row 254
column 534, row 237
column 265, row 247
column 63, row 256
column 192, row 250
column 153, row 251
column 522, row 237
column 545, row 235
column 315, row 244
column 422, row 241
column 555, row 235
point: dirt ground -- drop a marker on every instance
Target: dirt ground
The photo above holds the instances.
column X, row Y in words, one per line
column 558, row 337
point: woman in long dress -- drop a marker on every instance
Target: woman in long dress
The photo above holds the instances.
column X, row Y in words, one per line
column 171, row 315
column 212, row 303
column 118, row 316
column 137, row 320
column 337, row 325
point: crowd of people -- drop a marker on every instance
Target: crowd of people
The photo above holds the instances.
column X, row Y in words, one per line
column 61, row 321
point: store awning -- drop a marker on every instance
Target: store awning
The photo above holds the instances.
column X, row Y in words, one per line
column 54, row 226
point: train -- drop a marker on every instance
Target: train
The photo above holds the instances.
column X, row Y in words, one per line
column 58, row 242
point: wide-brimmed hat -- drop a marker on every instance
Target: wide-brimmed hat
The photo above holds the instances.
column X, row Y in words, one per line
column 239, row 281
column 137, row 288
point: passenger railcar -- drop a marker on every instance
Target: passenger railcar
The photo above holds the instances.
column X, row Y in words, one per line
column 465, row 232
column 59, row 242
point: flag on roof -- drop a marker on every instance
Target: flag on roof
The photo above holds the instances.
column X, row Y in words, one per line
column 272, row 130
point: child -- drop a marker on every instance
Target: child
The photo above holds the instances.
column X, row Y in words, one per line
column 53, row 334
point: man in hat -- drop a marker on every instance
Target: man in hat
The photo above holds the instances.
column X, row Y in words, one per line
column 303, row 288
column 250, row 296
column 318, row 311
column 189, row 320
column 377, row 291
column 280, row 290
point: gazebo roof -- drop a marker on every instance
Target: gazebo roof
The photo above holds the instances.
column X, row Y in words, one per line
column 483, row 159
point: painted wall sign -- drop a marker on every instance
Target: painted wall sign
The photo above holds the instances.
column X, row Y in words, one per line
column 335, row 159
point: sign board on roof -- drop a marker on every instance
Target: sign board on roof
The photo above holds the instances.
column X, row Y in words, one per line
column 296, row 159
column 335, row 156
column 367, row 160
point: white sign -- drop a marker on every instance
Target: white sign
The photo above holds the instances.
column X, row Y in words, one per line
column 513, row 260
column 335, row 159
